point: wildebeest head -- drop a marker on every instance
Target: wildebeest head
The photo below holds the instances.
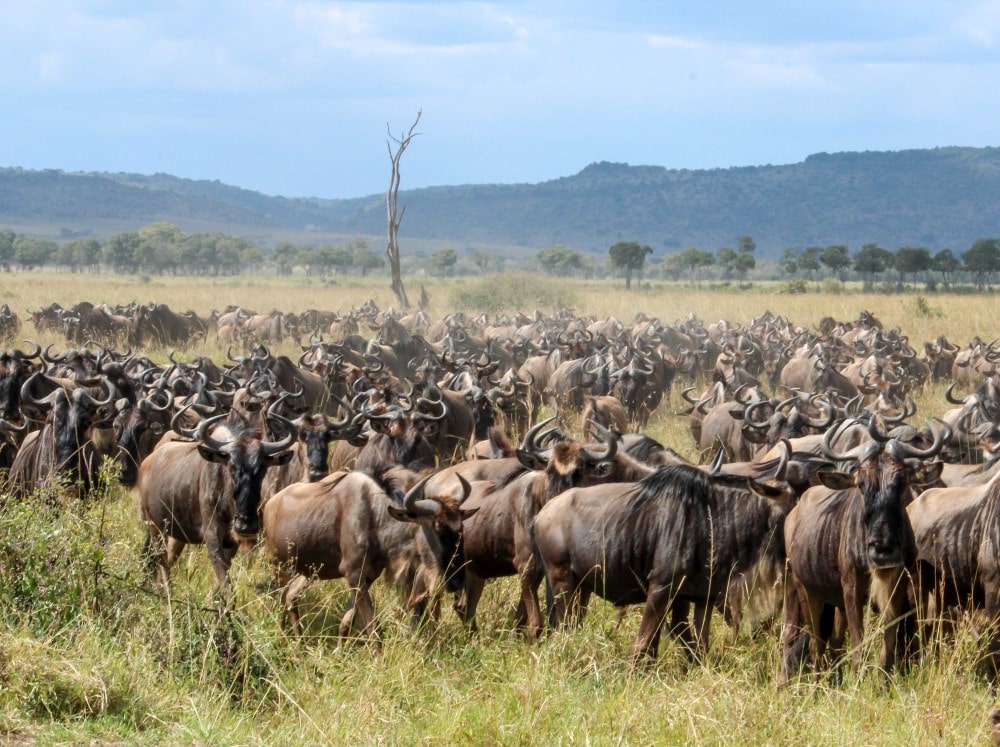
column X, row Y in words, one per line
column 441, row 517
column 247, row 457
column 15, row 367
column 886, row 468
column 567, row 463
column 137, row 428
column 317, row 432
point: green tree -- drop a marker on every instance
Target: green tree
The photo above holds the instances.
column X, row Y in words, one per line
column 630, row 257
column 285, row 256
column 809, row 260
column 119, row 252
column 442, row 262
column 693, row 260
column 7, row 238
column 672, row 265
column 725, row 258
column 483, row 260
column 790, row 260
column 743, row 264
column 947, row 264
column 65, row 255
column 910, row 260
column 365, row 260
column 746, row 245
column 837, row 259
column 871, row 261
column 31, row 253
column 983, row 261
column 157, row 247
column 88, row 252
column 560, row 260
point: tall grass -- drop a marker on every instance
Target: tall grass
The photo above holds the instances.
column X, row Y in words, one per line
column 89, row 652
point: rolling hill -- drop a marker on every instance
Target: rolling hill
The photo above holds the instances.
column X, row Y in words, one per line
column 941, row 197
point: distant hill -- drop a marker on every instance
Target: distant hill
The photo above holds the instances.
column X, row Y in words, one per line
column 938, row 198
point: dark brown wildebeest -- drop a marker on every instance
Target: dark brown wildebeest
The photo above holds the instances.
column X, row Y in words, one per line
column 674, row 539
column 206, row 491
column 137, row 429
column 958, row 559
column 347, row 526
column 63, row 448
column 850, row 541
column 497, row 539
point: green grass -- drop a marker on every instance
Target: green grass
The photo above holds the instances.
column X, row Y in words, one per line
column 89, row 653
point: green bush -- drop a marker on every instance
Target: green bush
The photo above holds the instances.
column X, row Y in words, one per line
column 495, row 293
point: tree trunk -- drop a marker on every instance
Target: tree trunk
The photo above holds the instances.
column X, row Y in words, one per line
column 394, row 214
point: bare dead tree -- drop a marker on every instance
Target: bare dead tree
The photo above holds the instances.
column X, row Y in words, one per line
column 393, row 211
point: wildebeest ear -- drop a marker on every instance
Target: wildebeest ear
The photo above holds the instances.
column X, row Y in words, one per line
column 771, row 492
column 156, row 428
column 468, row 512
column 399, row 514
column 836, row 480
column 280, row 459
column 529, row 460
column 925, row 473
column 219, row 457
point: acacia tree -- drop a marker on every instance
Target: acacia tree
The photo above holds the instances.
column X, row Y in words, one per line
column 947, row 264
column 837, row 259
column 393, row 211
column 628, row 256
column 983, row 261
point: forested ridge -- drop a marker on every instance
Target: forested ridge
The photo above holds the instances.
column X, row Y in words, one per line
column 937, row 198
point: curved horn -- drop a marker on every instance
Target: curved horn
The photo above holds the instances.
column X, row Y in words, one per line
column 950, row 396
column 202, row 435
column 847, row 456
column 270, row 448
column 176, row 427
column 717, row 460
column 37, row 353
column 611, row 446
column 748, row 415
column 529, row 442
column 903, row 450
column 414, row 502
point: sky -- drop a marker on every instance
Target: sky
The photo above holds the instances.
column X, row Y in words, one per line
column 299, row 97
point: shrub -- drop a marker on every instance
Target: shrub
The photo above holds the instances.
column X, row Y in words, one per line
column 495, row 293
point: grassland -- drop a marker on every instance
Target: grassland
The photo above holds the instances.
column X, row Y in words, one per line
column 89, row 654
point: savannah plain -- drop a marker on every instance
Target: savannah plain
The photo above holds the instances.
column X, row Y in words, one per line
column 89, row 653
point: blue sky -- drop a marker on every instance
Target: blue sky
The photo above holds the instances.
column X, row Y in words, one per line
column 293, row 97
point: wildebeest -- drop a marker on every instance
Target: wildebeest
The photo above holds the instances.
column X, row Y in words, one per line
column 851, row 541
column 956, row 530
column 348, row 526
column 206, row 491
column 62, row 449
column 673, row 539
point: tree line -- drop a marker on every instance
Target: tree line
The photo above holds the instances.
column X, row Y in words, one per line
column 162, row 248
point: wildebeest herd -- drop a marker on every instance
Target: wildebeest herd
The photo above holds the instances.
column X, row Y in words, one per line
column 445, row 453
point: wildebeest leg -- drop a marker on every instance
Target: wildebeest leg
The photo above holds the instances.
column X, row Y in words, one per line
column 991, row 589
column 465, row 606
column 221, row 548
column 891, row 597
column 680, row 625
column 854, row 613
column 794, row 634
column 531, row 577
column 292, row 590
column 702, row 628
column 657, row 600
column 359, row 602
